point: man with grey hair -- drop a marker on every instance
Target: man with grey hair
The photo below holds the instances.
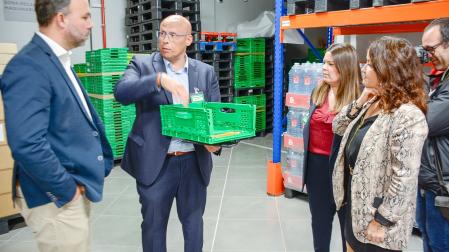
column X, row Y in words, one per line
column 432, row 223
column 57, row 139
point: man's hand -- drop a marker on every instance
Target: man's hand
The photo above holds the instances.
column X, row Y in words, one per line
column 79, row 191
column 175, row 88
column 212, row 148
column 375, row 232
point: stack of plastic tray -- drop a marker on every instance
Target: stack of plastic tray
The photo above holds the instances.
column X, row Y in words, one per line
column 220, row 55
column 143, row 19
column 117, row 120
column 249, row 65
column 104, row 68
column 81, row 71
column 107, row 60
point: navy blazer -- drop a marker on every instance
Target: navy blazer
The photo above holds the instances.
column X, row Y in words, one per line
column 146, row 148
column 53, row 142
column 336, row 139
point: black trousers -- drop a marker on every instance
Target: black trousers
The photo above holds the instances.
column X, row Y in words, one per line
column 180, row 179
column 321, row 202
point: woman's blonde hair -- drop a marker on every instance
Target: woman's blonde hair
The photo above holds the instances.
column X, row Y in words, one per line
column 345, row 60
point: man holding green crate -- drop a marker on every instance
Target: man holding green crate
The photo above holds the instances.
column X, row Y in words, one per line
column 167, row 168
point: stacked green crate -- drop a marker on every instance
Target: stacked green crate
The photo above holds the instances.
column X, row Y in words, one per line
column 260, row 101
column 104, row 68
column 81, row 71
column 249, row 64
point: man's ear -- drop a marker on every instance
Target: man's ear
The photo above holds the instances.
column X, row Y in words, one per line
column 60, row 20
column 189, row 40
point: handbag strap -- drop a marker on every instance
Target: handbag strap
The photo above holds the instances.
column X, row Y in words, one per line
column 439, row 167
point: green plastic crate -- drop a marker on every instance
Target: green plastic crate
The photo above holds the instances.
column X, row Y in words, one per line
column 261, row 120
column 104, row 67
column 251, row 45
column 249, row 71
column 107, row 54
column 209, row 123
column 259, row 100
column 311, row 57
column 80, row 68
column 104, row 84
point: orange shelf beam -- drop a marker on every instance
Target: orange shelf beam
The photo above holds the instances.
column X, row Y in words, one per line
column 412, row 12
column 381, row 28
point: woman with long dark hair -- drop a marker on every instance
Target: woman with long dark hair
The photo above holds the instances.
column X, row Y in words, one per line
column 376, row 171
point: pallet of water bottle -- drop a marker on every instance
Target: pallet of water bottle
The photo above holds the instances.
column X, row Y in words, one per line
column 293, row 142
column 297, row 100
column 293, row 181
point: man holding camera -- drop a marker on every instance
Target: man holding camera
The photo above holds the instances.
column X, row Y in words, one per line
column 433, row 196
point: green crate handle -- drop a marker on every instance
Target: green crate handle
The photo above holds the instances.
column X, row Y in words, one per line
column 227, row 110
column 184, row 115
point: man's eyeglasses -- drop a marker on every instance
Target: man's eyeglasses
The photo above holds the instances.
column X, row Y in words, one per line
column 431, row 49
column 171, row 35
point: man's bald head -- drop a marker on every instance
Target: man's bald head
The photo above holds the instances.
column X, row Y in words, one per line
column 179, row 20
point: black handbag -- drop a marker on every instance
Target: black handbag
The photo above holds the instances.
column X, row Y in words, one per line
column 441, row 202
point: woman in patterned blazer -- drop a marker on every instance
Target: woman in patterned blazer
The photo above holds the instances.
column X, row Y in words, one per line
column 377, row 166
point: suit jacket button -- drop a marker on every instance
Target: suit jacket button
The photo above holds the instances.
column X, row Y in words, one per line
column 94, row 133
column 100, row 158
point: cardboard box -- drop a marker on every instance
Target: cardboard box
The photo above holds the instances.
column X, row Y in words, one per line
column 8, row 48
column 5, row 181
column 5, row 58
column 7, row 206
column 6, row 159
column 3, row 140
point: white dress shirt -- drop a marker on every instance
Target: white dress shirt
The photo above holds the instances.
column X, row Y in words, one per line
column 182, row 76
column 64, row 57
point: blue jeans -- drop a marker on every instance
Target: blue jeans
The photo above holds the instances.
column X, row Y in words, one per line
column 433, row 226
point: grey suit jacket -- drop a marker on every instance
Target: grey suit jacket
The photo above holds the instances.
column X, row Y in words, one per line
column 146, row 147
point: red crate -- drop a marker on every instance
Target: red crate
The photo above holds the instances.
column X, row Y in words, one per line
column 209, row 36
column 293, row 143
column 228, row 36
column 297, row 100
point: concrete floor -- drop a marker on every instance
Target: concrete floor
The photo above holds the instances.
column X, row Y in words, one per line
column 239, row 215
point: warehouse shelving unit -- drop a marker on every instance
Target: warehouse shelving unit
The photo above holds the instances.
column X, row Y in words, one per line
column 409, row 17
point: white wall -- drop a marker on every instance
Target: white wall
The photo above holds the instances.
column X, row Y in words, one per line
column 362, row 42
column 21, row 32
column 220, row 16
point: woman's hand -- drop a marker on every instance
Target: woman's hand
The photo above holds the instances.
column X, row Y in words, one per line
column 375, row 232
column 367, row 94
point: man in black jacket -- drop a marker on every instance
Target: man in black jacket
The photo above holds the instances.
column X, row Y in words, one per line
column 434, row 227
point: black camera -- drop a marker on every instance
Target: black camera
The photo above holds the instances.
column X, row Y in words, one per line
column 422, row 54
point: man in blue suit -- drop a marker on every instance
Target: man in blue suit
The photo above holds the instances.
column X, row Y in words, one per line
column 167, row 168
column 57, row 139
